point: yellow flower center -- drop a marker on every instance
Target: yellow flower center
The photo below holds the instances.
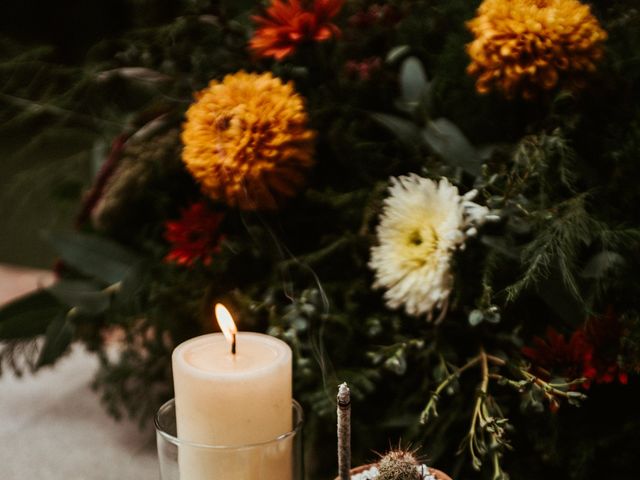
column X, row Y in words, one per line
column 421, row 244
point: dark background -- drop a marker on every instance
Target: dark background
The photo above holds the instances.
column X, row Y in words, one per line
column 33, row 196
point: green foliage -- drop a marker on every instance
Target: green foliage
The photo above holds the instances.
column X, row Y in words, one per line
column 28, row 316
column 94, row 256
column 22, row 321
column 58, row 338
column 559, row 177
column 440, row 135
column 558, row 245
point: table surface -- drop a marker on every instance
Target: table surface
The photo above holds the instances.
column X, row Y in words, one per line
column 52, row 426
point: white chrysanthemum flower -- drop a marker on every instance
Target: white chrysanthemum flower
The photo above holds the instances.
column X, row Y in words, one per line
column 423, row 222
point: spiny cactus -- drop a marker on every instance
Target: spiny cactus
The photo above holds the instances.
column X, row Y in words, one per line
column 399, row 465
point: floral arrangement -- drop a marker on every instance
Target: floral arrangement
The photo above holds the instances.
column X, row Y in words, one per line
column 431, row 200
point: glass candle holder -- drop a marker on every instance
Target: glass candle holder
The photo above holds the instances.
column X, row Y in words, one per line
column 276, row 459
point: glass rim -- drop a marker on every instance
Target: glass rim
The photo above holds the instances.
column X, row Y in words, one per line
column 299, row 420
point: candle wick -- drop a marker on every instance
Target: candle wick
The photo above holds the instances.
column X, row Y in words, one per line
column 233, row 343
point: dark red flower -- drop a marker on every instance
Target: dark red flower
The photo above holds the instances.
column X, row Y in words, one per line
column 604, row 333
column 375, row 14
column 195, row 236
column 590, row 353
column 287, row 23
column 363, row 69
column 556, row 356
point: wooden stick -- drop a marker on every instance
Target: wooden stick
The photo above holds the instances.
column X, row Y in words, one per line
column 344, row 432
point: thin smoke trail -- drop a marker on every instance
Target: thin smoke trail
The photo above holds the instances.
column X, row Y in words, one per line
column 316, row 334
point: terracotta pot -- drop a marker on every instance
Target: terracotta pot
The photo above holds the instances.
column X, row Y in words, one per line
column 436, row 473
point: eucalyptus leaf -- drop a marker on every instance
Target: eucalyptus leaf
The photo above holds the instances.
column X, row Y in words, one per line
column 58, row 338
column 406, row 131
column 414, row 84
column 129, row 293
column 84, row 295
column 475, row 317
column 402, row 106
column 396, row 363
column 28, row 316
column 397, row 53
column 94, row 256
column 446, row 140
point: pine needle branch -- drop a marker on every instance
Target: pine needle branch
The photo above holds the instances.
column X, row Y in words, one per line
column 558, row 244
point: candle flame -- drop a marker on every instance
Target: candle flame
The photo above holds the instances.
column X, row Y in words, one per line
column 225, row 320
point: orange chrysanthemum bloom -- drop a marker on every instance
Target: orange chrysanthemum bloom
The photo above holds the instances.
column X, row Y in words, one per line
column 246, row 140
column 523, row 47
column 287, row 23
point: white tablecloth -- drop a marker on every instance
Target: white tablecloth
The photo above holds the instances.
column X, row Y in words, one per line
column 52, row 427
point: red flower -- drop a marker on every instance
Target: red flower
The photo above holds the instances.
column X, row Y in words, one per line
column 604, row 334
column 287, row 24
column 590, row 353
column 194, row 236
column 365, row 69
column 376, row 14
column 556, row 356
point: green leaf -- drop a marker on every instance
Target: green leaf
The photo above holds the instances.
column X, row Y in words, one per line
column 407, row 132
column 397, row 363
column 28, row 316
column 475, row 317
column 396, row 53
column 84, row 295
column 129, row 292
column 93, row 255
column 414, row 84
column 447, row 141
column 58, row 338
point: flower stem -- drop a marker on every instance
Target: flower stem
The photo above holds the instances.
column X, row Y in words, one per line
column 444, row 384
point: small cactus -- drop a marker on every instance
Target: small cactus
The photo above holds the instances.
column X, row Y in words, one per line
column 399, row 465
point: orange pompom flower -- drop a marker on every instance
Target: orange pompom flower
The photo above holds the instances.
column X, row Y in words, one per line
column 287, row 24
column 246, row 141
column 523, row 47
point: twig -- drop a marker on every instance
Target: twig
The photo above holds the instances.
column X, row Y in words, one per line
column 553, row 389
column 496, row 360
column 444, row 384
column 477, row 411
column 344, row 432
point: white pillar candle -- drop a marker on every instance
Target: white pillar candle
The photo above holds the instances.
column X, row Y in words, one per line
column 233, row 400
